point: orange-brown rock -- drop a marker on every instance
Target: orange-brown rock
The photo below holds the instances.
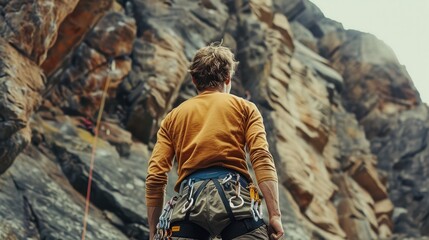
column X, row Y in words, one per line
column 21, row 82
column 32, row 26
column 72, row 31
column 79, row 88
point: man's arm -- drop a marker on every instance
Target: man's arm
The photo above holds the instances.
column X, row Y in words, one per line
column 153, row 214
column 160, row 164
column 265, row 170
column 270, row 192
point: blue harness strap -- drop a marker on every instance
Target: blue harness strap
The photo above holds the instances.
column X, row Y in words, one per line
column 214, row 173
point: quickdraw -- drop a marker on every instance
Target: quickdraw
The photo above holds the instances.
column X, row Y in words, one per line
column 237, row 194
column 255, row 203
column 190, row 201
column 163, row 230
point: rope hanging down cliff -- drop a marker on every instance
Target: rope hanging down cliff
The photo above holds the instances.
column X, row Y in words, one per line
column 111, row 67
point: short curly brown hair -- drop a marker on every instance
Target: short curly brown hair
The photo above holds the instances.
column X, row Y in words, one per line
column 212, row 65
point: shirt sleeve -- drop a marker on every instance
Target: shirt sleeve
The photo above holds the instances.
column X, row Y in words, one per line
column 260, row 156
column 160, row 164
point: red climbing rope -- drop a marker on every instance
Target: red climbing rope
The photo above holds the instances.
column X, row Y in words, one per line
column 94, row 148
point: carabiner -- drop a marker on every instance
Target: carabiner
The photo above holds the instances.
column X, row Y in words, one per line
column 231, row 204
column 257, row 208
column 226, row 178
column 252, row 205
column 191, row 189
column 186, row 208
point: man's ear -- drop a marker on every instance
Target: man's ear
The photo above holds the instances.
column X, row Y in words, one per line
column 194, row 81
column 228, row 80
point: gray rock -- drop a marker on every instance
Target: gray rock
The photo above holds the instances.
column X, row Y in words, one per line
column 117, row 184
column 303, row 35
column 310, row 15
column 325, row 26
column 319, row 65
column 43, row 205
column 196, row 22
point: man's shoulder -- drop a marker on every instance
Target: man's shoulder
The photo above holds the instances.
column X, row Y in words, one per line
column 243, row 101
column 236, row 98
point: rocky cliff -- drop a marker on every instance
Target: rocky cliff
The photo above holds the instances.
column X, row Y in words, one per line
column 345, row 124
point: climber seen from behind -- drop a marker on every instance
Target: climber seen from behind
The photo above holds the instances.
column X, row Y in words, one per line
column 209, row 136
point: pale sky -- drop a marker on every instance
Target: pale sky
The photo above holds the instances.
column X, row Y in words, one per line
column 401, row 24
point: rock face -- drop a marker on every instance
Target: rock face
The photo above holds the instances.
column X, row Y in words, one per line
column 20, row 84
column 345, row 124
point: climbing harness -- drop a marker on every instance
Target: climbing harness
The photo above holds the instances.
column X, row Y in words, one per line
column 163, row 230
column 222, row 179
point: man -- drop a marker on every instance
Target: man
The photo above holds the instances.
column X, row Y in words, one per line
column 209, row 136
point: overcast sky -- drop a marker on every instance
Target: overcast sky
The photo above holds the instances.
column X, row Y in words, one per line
column 401, row 24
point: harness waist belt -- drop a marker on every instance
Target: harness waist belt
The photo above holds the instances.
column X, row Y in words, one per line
column 214, row 173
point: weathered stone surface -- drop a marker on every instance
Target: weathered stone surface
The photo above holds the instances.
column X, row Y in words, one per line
column 263, row 11
column 319, row 65
column 118, row 182
column 41, row 204
column 330, row 119
column 196, row 23
column 278, row 89
column 290, row 8
column 306, row 138
column 404, row 154
column 32, row 26
column 304, row 36
column 362, row 190
column 113, row 34
column 379, row 91
column 149, row 90
column 72, row 31
column 16, row 223
column 78, row 88
column 21, row 82
column 325, row 26
column 376, row 85
column 310, row 15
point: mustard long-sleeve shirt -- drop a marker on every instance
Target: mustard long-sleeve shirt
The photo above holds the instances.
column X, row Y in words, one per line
column 210, row 129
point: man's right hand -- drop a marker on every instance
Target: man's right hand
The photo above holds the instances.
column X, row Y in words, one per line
column 276, row 228
column 270, row 191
